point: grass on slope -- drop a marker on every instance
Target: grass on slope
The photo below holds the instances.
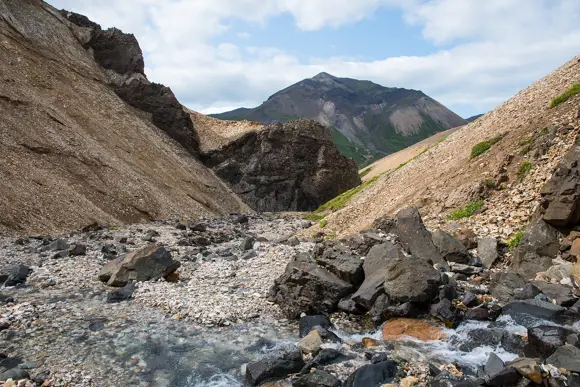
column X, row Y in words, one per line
column 515, row 240
column 484, row 146
column 360, row 155
column 342, row 199
column 467, row 211
column 525, row 168
column 575, row 89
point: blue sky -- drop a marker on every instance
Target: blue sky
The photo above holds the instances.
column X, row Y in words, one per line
column 470, row 55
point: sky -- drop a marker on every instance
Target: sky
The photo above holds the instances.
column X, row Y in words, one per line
column 470, row 55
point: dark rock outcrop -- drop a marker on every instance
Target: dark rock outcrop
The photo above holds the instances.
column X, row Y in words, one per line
column 543, row 340
column 561, row 205
column 307, row 287
column 567, row 357
column 372, row 374
column 278, row 364
column 343, row 263
column 117, row 51
column 450, row 248
column 317, row 379
column 294, row 166
column 534, row 254
column 409, row 279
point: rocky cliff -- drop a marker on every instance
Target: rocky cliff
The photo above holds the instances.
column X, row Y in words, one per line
column 368, row 120
column 71, row 151
column 284, row 167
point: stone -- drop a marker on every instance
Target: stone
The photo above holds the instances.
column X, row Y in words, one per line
column 567, row 357
column 469, row 299
column 275, row 169
column 561, row 193
column 247, row 244
column 199, row 227
column 487, row 251
column 543, row 340
column 275, row 365
column 14, row 374
column 293, row 242
column 528, row 368
column 307, row 287
column 310, row 343
column 575, row 249
column 241, row 219
column 493, row 366
column 527, row 312
column 409, row 381
column 372, row 375
column 465, row 269
column 58, row 245
column 369, row 343
column 308, row 323
column 559, row 272
column 379, row 357
column 508, row 377
column 416, row 238
column 149, row 263
column 398, row 328
column 77, row 250
column 249, row 254
column 324, row 357
column 492, row 337
column 444, row 311
column 342, row 262
column 540, row 243
column 478, row 314
column 409, row 279
column 528, row 292
column 504, row 285
column 561, row 294
column 448, row 292
column 450, row 248
column 123, row 294
column 317, row 379
column 467, row 237
column 17, row 275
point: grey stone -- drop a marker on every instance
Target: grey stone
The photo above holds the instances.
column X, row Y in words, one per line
column 275, row 365
column 540, row 243
column 487, row 251
column 567, row 356
column 465, row 269
column 247, row 244
column 317, row 379
column 409, row 279
column 450, row 248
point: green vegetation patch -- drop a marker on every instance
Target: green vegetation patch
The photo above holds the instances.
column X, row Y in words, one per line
column 565, row 96
column 467, row 211
column 314, row 217
column 323, row 223
column 515, row 239
column 525, row 168
column 342, row 199
column 484, row 146
column 488, row 183
column 365, row 172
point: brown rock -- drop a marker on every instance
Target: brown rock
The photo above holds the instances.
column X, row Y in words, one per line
column 529, row 369
column 398, row 328
column 369, row 343
column 467, row 237
column 575, row 249
column 311, row 342
column 173, row 277
column 409, row 381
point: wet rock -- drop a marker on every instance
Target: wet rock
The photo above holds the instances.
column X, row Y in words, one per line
column 543, row 340
column 247, row 244
column 465, row 269
column 6, row 299
column 534, row 254
column 324, row 357
column 123, row 294
column 151, row 262
column 369, row 342
column 307, row 287
column 16, row 275
column 308, row 323
column 567, row 357
column 379, row 357
column 444, row 311
column 275, row 365
column 504, row 285
column 310, row 343
column 416, row 238
column 342, row 262
column 372, row 375
column 508, row 377
column 398, row 328
column 450, row 248
column 478, row 314
column 409, row 279
column 529, row 311
column 493, row 337
column 78, row 250
column 561, row 205
column 487, row 251
column 317, row 379
column 528, row 292
column 528, row 368
column 448, row 292
column 493, row 366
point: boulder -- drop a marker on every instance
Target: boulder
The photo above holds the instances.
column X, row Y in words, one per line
column 528, row 368
column 399, row 328
column 416, row 238
column 567, row 357
column 540, row 243
column 528, row 312
column 543, row 340
column 528, row 292
column 467, row 237
column 77, row 250
column 491, row 337
column 308, row 323
column 465, row 269
column 487, row 251
column 409, row 279
column 372, row 375
column 17, row 275
column 307, row 287
column 149, row 263
column 493, row 366
column 508, row 377
column 324, row 357
column 561, row 193
column 505, row 285
column 275, row 365
column 247, row 244
column 123, row 294
column 14, row 374
column 478, row 314
column 561, row 294
column 343, row 263
column 317, row 379
column 310, row 343
column 444, row 311
column 285, row 167
column 450, row 248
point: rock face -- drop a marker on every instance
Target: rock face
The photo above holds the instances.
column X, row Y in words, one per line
column 152, row 262
column 561, row 206
column 287, row 167
column 410, row 279
column 539, row 245
column 117, row 51
column 450, row 248
column 307, row 287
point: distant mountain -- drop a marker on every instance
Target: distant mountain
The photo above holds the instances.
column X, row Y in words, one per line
column 473, row 118
column 368, row 120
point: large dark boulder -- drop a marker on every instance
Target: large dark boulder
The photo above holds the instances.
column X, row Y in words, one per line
column 504, row 286
column 307, row 287
column 487, row 251
column 567, row 357
column 292, row 166
column 450, row 248
column 561, row 194
column 317, row 379
column 308, row 323
column 416, row 238
column 343, row 263
column 371, row 375
column 16, row 275
column 529, row 312
column 543, row 340
column 167, row 113
column 276, row 365
column 149, row 263
column 410, row 279
column 540, row 244
column 562, row 294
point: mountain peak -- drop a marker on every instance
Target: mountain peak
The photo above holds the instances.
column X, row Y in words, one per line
column 323, row 77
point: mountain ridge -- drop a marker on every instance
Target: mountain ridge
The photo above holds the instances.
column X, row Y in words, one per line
column 368, row 120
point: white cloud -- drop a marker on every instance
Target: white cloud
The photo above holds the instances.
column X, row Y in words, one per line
column 244, row 35
column 490, row 49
